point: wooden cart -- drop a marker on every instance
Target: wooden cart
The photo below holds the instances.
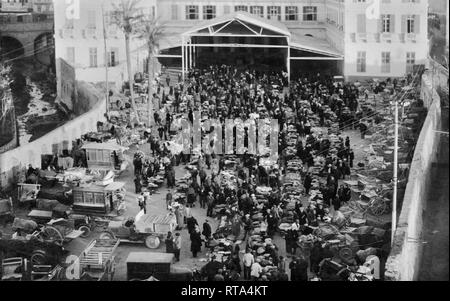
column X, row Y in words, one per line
column 98, row 261
column 61, row 231
column 6, row 211
column 98, row 200
column 147, row 229
column 105, row 156
column 27, row 193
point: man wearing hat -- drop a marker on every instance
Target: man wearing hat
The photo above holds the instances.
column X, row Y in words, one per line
column 207, row 231
column 142, row 204
column 247, row 224
column 177, row 246
column 210, row 204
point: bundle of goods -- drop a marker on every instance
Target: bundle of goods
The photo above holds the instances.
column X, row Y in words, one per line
column 263, row 247
column 179, row 198
column 263, row 190
column 294, row 165
column 268, row 161
column 156, row 181
column 228, row 179
column 305, row 242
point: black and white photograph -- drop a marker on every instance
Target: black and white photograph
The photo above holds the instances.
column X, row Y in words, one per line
column 243, row 142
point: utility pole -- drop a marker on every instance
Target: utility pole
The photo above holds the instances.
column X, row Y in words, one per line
column 106, row 60
column 395, row 179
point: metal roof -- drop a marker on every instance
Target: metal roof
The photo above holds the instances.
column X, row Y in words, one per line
column 272, row 25
column 312, row 44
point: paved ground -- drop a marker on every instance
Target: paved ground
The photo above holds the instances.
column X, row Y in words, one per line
column 157, row 206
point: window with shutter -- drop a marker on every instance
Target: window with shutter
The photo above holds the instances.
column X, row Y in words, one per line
column 392, row 23
column 410, row 24
column 385, row 23
column 404, row 23
column 417, row 24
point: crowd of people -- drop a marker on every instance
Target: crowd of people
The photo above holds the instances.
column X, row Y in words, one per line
column 224, row 92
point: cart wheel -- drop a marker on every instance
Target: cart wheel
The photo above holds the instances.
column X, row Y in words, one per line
column 152, row 242
column 53, row 234
column 38, row 257
column 86, row 231
column 106, row 235
column 378, row 208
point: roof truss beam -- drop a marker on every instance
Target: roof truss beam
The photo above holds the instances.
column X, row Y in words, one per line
column 248, row 27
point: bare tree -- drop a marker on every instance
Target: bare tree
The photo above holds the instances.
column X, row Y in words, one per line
column 151, row 31
column 127, row 16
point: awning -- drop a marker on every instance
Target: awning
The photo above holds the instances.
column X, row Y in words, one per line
column 170, row 41
column 254, row 23
column 315, row 45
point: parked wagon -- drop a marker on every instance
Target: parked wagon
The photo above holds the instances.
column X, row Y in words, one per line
column 21, row 269
column 61, row 231
column 28, row 193
column 98, row 261
column 147, row 229
column 39, row 252
column 6, row 211
column 98, row 200
column 105, row 156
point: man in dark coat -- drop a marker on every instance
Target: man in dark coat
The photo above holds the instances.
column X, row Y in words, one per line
column 301, row 269
column 207, row 231
column 307, row 182
column 191, row 223
column 137, row 184
column 196, row 242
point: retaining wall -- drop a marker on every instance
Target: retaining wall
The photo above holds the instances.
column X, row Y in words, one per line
column 404, row 260
column 13, row 161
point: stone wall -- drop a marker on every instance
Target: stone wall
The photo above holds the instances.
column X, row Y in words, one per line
column 404, row 260
column 12, row 125
column 12, row 162
column 66, row 85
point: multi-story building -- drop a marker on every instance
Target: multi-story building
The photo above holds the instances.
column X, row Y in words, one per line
column 376, row 38
column 16, row 6
column 355, row 38
column 80, row 40
column 43, row 6
column 21, row 6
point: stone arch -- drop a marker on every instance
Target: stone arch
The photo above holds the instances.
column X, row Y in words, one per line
column 43, row 47
column 11, row 47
